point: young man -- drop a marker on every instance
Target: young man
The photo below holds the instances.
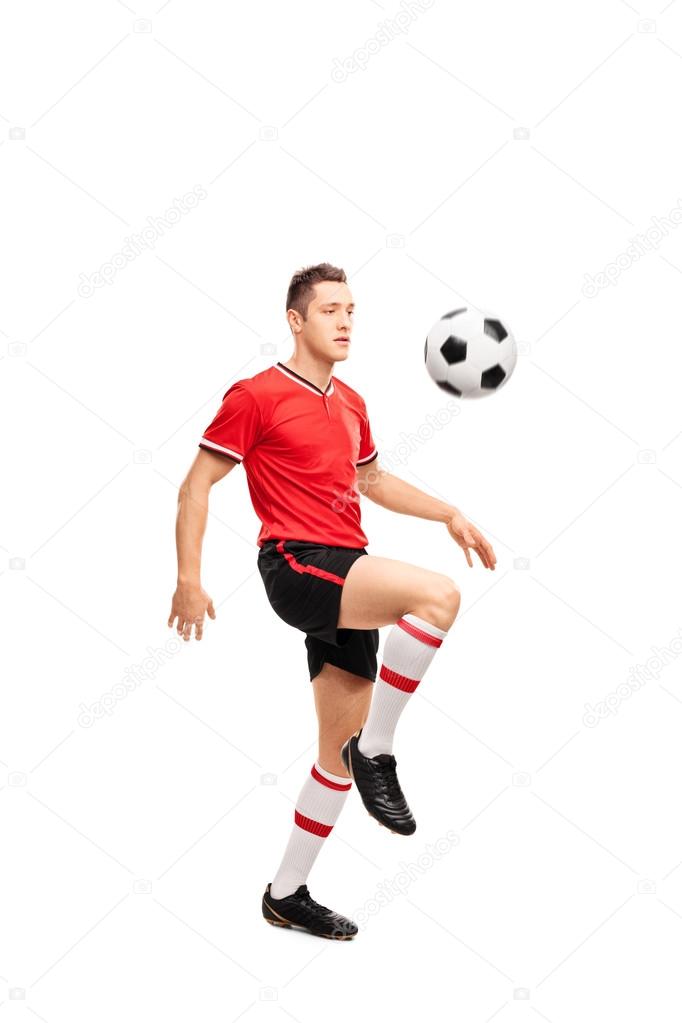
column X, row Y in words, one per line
column 306, row 444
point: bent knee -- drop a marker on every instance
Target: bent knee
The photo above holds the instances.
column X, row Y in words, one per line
column 441, row 605
column 452, row 597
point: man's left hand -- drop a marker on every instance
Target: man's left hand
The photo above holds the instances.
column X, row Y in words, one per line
column 469, row 538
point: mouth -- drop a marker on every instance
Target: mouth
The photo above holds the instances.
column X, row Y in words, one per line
column 342, row 340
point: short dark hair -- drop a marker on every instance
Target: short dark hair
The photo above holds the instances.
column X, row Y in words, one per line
column 302, row 285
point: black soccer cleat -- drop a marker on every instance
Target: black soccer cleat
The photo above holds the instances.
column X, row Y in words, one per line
column 300, row 910
column 379, row 787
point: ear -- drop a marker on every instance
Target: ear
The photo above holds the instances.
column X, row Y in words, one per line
column 295, row 321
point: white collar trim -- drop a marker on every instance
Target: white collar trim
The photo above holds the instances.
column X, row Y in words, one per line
column 297, row 379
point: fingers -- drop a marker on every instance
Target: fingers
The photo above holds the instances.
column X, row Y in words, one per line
column 184, row 625
column 483, row 555
column 490, row 554
column 484, row 551
column 185, row 628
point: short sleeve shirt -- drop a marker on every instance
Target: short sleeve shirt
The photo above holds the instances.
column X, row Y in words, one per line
column 300, row 447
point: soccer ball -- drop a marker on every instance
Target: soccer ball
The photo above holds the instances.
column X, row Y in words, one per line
column 469, row 354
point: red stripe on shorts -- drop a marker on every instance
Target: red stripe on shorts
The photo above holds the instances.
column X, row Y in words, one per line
column 314, row 827
column 311, row 569
column 408, row 685
column 325, row 781
column 425, row 637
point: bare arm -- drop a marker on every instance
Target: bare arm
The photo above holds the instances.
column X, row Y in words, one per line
column 396, row 494
column 190, row 600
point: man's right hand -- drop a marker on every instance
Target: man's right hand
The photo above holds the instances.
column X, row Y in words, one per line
column 190, row 604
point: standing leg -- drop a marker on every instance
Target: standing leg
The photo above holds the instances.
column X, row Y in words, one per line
column 341, row 702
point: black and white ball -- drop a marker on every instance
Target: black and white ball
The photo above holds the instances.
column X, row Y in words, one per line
column 470, row 354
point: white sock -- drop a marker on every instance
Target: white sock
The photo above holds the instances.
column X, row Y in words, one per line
column 409, row 649
column 318, row 806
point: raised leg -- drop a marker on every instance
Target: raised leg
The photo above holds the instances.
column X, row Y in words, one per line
column 421, row 606
column 378, row 591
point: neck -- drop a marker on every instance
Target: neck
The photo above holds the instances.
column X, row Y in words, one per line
column 317, row 371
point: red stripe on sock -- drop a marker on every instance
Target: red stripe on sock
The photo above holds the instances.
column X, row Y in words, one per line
column 425, row 637
column 325, row 781
column 314, row 827
column 311, row 569
column 408, row 685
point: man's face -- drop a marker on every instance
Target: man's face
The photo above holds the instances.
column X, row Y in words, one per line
column 329, row 320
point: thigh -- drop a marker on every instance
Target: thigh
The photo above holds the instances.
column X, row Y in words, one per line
column 377, row 591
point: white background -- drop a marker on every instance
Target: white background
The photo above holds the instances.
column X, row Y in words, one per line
column 490, row 154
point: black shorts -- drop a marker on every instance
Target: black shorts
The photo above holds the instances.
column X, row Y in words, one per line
column 303, row 581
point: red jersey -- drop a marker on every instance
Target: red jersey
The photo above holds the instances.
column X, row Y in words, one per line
column 300, row 447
